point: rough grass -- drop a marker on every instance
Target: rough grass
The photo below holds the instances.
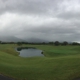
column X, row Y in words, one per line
column 60, row 63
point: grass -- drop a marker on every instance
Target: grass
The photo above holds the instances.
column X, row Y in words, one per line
column 60, row 63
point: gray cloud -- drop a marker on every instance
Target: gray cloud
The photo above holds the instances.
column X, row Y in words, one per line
column 30, row 6
column 46, row 19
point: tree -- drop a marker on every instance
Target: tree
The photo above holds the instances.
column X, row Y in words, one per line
column 75, row 43
column 0, row 42
column 65, row 43
column 56, row 43
column 51, row 43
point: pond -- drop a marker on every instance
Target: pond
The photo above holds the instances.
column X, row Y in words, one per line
column 31, row 53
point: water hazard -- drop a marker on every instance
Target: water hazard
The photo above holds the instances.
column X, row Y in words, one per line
column 31, row 52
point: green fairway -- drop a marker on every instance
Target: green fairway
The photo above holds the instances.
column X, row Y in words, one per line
column 59, row 63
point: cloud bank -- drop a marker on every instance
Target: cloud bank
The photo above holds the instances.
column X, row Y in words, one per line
column 44, row 19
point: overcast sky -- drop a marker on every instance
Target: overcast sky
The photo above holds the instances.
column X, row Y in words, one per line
column 45, row 19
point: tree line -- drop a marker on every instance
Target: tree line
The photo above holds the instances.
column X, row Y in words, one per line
column 56, row 43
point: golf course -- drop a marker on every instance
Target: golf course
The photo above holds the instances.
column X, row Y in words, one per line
column 58, row 63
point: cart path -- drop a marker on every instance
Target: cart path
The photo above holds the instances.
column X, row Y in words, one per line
column 5, row 78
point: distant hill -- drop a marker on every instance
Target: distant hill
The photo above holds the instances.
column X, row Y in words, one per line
column 10, row 39
column 15, row 39
column 35, row 40
column 30, row 40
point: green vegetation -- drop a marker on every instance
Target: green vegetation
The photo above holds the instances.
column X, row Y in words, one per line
column 59, row 63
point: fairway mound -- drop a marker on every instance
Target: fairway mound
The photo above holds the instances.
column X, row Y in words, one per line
column 5, row 78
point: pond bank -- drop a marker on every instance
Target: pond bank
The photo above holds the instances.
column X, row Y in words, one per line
column 20, row 48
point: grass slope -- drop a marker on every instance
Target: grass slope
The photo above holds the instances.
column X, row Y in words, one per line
column 60, row 63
